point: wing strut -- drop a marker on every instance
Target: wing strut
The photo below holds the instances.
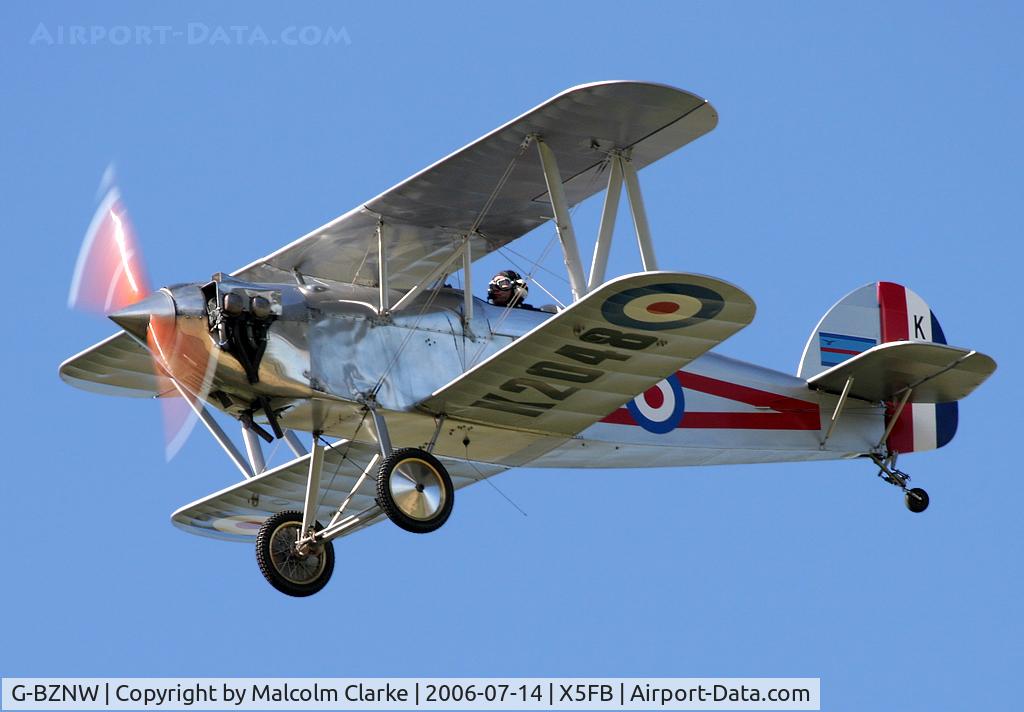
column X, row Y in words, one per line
column 382, row 269
column 622, row 171
column 294, row 444
column 837, row 412
column 636, row 205
column 604, row 233
column 253, row 449
column 563, row 220
column 467, row 287
column 440, row 271
column 216, row 431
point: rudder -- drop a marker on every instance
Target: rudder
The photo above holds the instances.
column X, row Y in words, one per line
column 879, row 313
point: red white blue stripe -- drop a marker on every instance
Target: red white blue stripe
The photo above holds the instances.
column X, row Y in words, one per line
column 905, row 317
column 836, row 348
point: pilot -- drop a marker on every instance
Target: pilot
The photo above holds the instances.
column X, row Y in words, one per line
column 508, row 289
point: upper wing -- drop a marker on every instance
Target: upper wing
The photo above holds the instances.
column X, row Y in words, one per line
column 119, row 366
column 236, row 513
column 586, row 361
column 427, row 215
column 935, row 373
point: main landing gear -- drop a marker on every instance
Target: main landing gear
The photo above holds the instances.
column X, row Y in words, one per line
column 413, row 489
column 290, row 568
column 915, row 498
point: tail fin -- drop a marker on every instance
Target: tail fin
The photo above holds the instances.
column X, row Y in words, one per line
column 876, row 314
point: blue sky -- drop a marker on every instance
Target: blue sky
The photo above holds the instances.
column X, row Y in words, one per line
column 856, row 142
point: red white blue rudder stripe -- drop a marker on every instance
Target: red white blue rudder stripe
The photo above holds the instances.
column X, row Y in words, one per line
column 875, row 314
column 904, row 316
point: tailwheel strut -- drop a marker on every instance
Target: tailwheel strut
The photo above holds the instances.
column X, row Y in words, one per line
column 915, row 498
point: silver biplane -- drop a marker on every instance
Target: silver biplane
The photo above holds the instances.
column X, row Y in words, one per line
column 411, row 389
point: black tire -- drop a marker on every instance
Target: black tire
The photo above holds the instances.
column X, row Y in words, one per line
column 916, row 499
column 405, row 481
column 287, row 571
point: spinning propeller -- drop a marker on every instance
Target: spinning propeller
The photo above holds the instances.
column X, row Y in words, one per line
column 110, row 279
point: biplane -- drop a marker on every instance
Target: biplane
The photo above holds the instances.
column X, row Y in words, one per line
column 410, row 389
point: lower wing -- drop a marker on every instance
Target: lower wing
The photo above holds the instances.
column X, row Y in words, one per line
column 586, row 361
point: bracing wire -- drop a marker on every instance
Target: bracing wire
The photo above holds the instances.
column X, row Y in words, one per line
column 537, row 264
column 472, row 231
column 505, row 248
column 344, row 456
column 487, row 479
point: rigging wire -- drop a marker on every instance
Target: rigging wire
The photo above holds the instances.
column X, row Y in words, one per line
column 405, row 341
column 270, row 458
column 536, row 264
column 530, row 274
column 344, row 456
column 485, row 478
column 469, row 236
column 505, row 248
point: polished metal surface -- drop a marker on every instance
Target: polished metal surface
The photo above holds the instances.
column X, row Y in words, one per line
column 135, row 318
column 417, row 489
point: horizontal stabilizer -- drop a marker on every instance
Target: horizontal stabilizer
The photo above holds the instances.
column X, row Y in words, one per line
column 935, row 373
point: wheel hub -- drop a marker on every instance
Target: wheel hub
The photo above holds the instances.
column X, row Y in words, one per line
column 417, row 489
column 298, row 564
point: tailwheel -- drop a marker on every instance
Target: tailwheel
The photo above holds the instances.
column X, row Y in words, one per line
column 293, row 570
column 916, row 499
column 414, row 490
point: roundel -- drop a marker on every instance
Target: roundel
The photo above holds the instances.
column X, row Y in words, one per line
column 243, row 524
column 660, row 408
column 662, row 306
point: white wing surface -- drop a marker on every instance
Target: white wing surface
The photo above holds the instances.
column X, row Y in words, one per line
column 935, row 373
column 120, row 366
column 426, row 216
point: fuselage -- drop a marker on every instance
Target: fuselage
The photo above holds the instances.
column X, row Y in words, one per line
column 325, row 349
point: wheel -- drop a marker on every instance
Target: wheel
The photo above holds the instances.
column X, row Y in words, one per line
column 414, row 490
column 916, row 499
column 288, row 571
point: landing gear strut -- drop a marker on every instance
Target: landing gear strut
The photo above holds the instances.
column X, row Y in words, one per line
column 915, row 498
column 296, row 554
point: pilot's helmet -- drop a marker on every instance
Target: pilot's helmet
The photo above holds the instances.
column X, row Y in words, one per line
column 507, row 289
